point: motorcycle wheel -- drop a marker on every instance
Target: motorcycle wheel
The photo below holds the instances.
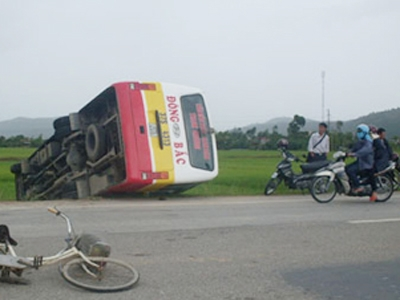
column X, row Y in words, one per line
column 323, row 190
column 396, row 179
column 385, row 188
column 271, row 186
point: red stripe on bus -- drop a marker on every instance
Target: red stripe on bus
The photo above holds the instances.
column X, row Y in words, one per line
column 135, row 138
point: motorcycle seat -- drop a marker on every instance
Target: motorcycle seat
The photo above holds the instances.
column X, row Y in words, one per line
column 5, row 235
column 314, row 166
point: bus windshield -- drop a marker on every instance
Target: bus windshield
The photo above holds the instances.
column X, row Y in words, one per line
column 198, row 132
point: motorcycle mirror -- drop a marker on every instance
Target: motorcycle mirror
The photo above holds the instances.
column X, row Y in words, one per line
column 339, row 154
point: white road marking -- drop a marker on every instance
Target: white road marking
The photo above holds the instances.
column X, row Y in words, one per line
column 374, row 221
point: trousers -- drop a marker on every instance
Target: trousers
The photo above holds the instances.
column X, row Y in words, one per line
column 353, row 171
column 316, row 157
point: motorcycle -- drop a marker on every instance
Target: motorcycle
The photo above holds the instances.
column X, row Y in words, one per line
column 331, row 180
column 284, row 173
column 395, row 174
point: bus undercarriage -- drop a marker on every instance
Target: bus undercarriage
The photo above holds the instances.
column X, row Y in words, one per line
column 82, row 158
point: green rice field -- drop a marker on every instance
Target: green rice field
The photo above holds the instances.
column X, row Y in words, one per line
column 9, row 156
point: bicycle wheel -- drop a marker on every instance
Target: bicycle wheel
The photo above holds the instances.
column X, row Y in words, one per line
column 323, row 190
column 112, row 275
column 271, row 186
column 385, row 188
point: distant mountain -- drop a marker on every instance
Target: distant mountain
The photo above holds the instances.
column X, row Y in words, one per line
column 388, row 119
column 27, row 126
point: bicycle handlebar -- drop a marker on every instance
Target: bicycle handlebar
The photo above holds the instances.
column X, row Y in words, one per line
column 70, row 228
column 53, row 210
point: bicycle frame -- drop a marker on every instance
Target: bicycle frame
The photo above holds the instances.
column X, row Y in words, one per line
column 85, row 262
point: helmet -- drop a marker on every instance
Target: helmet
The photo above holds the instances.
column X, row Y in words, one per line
column 362, row 132
column 283, row 143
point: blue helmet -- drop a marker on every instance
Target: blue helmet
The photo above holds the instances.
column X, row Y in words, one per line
column 363, row 132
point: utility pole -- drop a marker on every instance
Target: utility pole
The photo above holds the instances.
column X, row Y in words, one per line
column 329, row 118
column 323, row 94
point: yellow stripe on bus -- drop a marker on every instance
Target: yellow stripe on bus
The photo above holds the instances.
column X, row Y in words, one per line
column 163, row 158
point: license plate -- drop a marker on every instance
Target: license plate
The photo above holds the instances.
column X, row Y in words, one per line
column 153, row 130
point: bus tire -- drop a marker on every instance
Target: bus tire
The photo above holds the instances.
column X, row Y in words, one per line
column 16, row 168
column 61, row 123
column 95, row 142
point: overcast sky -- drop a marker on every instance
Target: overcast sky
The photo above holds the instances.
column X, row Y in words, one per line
column 254, row 59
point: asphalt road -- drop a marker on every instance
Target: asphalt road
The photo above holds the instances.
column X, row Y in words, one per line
column 242, row 248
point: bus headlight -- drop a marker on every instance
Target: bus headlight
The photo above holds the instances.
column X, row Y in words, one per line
column 154, row 175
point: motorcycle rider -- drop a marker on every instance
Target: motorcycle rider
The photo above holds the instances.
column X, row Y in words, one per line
column 364, row 165
column 374, row 132
column 383, row 151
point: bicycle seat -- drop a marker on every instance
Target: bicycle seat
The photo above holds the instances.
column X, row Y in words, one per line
column 5, row 235
column 313, row 166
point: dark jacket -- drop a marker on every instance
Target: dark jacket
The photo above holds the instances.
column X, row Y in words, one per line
column 364, row 153
column 383, row 154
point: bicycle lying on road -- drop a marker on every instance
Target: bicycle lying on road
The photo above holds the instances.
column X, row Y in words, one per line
column 83, row 263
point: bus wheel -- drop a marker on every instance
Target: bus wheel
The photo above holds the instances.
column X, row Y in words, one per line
column 95, row 142
column 61, row 122
column 16, row 168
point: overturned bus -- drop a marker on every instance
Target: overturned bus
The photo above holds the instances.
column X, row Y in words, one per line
column 134, row 137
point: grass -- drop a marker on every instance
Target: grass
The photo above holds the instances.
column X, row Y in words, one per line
column 240, row 173
column 9, row 156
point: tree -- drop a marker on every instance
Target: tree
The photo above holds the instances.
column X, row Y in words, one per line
column 297, row 138
column 21, row 141
column 275, row 129
column 251, row 133
column 339, row 126
column 295, row 125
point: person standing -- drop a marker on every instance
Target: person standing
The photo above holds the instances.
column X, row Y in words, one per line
column 318, row 144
